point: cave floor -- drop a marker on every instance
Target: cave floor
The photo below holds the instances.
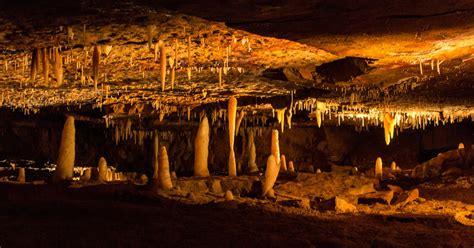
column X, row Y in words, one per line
column 129, row 215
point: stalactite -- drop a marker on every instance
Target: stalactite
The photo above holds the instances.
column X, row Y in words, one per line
column 239, row 121
column 163, row 66
column 318, row 117
column 45, row 63
column 389, row 127
column 58, row 67
column 95, row 66
column 164, row 170
column 34, row 65
column 280, row 114
column 67, row 152
column 231, row 115
column 271, row 174
column 201, row 149
column 288, row 118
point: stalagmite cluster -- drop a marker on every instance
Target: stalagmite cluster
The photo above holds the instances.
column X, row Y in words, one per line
column 201, row 149
column 67, row 152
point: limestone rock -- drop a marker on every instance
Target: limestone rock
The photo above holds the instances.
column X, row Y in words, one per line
column 337, row 204
column 215, row 186
column 407, row 197
column 364, row 189
column 382, row 197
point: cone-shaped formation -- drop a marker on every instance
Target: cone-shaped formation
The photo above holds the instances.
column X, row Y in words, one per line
column 231, row 115
column 393, row 166
column 21, row 175
column 95, row 66
column 102, row 167
column 378, row 168
column 67, row 152
column 252, row 154
column 275, row 146
column 291, row 167
column 389, row 127
column 201, row 149
column 461, row 146
column 164, row 176
column 156, row 148
column 163, row 66
column 229, row 196
column 280, row 113
column 271, row 174
column 283, row 163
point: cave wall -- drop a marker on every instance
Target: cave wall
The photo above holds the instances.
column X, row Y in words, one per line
column 38, row 140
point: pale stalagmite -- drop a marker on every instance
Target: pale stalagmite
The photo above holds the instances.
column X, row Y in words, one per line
column 378, row 168
column 164, row 176
column 21, row 175
column 461, row 146
column 156, row 147
column 252, row 158
column 102, row 167
column 67, row 152
column 201, row 149
column 86, row 176
column 271, row 174
column 283, row 163
column 275, row 146
column 231, row 115
column 393, row 166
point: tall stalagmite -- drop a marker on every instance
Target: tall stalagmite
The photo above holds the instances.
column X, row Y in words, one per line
column 201, row 149
column 252, row 154
column 67, row 152
column 283, row 163
column 231, row 115
column 275, row 146
column 164, row 176
column 271, row 174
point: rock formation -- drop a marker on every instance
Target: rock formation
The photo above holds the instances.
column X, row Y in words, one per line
column 378, row 168
column 164, row 176
column 275, row 146
column 67, row 152
column 271, row 174
column 21, row 175
column 201, row 149
column 102, row 168
column 231, row 115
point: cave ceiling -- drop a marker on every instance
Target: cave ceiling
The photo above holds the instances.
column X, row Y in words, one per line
column 351, row 62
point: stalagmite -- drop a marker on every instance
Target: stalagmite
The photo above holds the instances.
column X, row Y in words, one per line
column 283, row 163
column 378, row 168
column 231, row 115
column 291, row 167
column 271, row 174
column 102, row 168
column 163, row 66
column 67, row 152
column 34, row 65
column 461, row 146
column 393, row 166
column 201, row 149
column 95, row 66
column 86, row 176
column 252, row 165
column 21, row 175
column 275, row 151
column 164, row 176
column 389, row 127
column 229, row 196
column 156, row 148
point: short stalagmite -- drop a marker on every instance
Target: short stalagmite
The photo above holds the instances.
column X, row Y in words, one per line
column 271, row 174
column 102, row 167
column 156, row 148
column 201, row 149
column 67, row 152
column 252, row 158
column 86, row 176
column 378, row 168
column 21, row 175
column 164, row 176
column 461, row 146
column 275, row 146
column 283, row 163
column 231, row 115
column 291, row 167
column 393, row 166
